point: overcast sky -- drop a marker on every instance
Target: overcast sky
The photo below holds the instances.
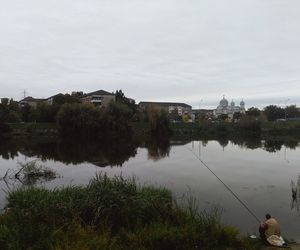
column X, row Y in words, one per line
column 191, row 51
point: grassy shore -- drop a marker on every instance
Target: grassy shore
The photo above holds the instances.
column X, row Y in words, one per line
column 204, row 129
column 241, row 128
column 111, row 213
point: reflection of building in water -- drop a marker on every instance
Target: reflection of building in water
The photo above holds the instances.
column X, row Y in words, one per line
column 225, row 109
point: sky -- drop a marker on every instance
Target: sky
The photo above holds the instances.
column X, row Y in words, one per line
column 191, row 51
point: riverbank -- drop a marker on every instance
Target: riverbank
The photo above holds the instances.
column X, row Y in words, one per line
column 112, row 213
column 244, row 128
column 291, row 247
column 209, row 130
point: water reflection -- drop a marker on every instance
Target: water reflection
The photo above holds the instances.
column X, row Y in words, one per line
column 158, row 148
column 271, row 146
column 223, row 141
column 295, row 204
column 100, row 153
column 28, row 174
column 248, row 142
column 116, row 152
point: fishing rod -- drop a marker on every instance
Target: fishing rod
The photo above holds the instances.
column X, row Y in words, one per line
column 227, row 187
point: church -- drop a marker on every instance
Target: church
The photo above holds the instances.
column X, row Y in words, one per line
column 225, row 109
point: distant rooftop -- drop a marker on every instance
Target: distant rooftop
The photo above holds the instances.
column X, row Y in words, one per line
column 31, row 99
column 166, row 104
column 98, row 92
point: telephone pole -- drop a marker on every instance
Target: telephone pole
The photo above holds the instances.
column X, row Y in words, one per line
column 24, row 93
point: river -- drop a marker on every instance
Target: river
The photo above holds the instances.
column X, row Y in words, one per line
column 261, row 173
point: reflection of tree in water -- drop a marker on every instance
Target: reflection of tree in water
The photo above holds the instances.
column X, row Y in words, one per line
column 104, row 153
column 101, row 153
column 295, row 186
column 223, row 141
column 272, row 145
column 276, row 145
column 291, row 144
column 158, row 148
column 8, row 149
column 114, row 152
column 247, row 142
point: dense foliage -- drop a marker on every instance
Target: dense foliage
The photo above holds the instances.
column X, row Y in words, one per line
column 88, row 121
column 109, row 214
column 158, row 121
column 274, row 112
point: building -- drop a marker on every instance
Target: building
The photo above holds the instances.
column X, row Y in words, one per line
column 225, row 109
column 169, row 107
column 98, row 98
column 50, row 99
column 30, row 101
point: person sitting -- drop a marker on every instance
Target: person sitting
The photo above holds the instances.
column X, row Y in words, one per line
column 270, row 232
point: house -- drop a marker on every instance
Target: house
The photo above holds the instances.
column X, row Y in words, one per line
column 30, row 101
column 98, row 98
column 50, row 99
column 169, row 107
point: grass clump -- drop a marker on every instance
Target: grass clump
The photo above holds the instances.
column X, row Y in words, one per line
column 109, row 213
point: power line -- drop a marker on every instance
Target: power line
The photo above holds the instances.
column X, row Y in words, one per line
column 227, row 187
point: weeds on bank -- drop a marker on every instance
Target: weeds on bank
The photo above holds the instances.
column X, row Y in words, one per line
column 109, row 213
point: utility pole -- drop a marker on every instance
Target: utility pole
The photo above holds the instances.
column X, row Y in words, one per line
column 285, row 109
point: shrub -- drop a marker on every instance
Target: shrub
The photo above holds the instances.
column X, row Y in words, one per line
column 109, row 214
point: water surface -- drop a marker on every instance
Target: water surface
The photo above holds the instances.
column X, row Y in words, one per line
column 261, row 173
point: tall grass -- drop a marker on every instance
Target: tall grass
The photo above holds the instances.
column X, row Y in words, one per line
column 109, row 213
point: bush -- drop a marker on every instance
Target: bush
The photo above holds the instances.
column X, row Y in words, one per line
column 109, row 214
column 90, row 122
column 250, row 124
column 4, row 129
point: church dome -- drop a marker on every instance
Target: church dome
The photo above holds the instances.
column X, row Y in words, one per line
column 224, row 102
column 242, row 103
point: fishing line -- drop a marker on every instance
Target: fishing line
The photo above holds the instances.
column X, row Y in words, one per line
column 227, row 187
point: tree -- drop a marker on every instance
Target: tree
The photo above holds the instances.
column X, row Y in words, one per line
column 274, row 112
column 4, row 101
column 27, row 113
column 117, row 117
column 45, row 112
column 121, row 98
column 237, row 115
column 253, row 112
column 9, row 111
column 4, row 110
column 81, row 120
column 185, row 118
column 223, row 117
column 158, row 121
column 292, row 111
column 90, row 122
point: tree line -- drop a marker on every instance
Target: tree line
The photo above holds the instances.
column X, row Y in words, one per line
column 269, row 113
column 83, row 119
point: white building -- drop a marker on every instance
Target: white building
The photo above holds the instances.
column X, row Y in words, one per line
column 225, row 109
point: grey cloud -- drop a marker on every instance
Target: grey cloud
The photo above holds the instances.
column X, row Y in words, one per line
column 154, row 50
